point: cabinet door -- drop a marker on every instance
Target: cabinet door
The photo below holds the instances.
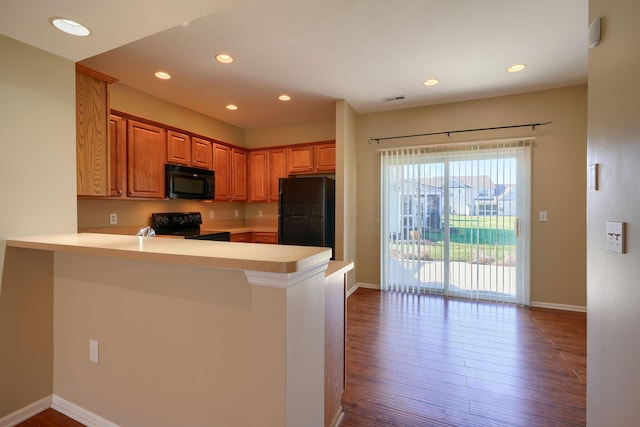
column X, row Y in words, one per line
column 277, row 169
column 146, row 150
column 201, row 153
column 258, row 176
column 118, row 153
column 239, row 175
column 222, row 168
column 178, row 148
column 92, row 143
column 325, row 157
column 300, row 159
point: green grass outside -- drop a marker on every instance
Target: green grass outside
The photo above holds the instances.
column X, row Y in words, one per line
column 457, row 251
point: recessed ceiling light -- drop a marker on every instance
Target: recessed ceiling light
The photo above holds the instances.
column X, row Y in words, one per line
column 517, row 67
column 284, row 97
column 232, row 107
column 431, row 82
column 162, row 75
column 69, row 26
column 224, row 58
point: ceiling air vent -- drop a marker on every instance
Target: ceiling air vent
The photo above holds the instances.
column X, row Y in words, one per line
column 393, row 98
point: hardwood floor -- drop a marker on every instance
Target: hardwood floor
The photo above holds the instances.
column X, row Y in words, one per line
column 431, row 361
column 50, row 418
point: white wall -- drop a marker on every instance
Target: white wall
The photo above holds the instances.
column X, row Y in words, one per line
column 613, row 288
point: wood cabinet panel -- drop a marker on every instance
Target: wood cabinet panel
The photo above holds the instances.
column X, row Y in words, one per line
column 222, row 168
column 178, row 148
column 242, row 237
column 300, row 159
column 277, row 169
column 201, row 153
column 263, row 237
column 146, row 156
column 258, row 176
column 239, row 175
column 325, row 157
column 312, row 158
column 92, row 140
column 118, row 153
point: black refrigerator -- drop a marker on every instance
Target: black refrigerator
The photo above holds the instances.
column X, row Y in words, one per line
column 306, row 212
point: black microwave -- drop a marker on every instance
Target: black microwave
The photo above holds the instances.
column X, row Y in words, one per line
column 183, row 182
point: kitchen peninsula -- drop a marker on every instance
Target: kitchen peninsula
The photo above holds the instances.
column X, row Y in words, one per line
column 189, row 332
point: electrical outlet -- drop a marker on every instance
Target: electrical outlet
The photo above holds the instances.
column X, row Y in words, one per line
column 113, row 218
column 211, row 214
column 236, row 213
column 616, row 236
column 542, row 216
column 93, row 351
column 260, row 213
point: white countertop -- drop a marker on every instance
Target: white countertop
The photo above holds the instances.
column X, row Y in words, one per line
column 241, row 256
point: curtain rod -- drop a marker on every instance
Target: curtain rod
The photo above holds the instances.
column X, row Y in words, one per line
column 449, row 132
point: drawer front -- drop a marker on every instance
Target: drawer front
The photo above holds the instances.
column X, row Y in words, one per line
column 241, row 237
column 265, row 238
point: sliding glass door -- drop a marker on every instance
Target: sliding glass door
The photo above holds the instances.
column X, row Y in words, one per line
column 455, row 220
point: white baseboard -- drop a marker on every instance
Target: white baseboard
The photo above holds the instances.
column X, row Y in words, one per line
column 25, row 413
column 79, row 414
column 554, row 306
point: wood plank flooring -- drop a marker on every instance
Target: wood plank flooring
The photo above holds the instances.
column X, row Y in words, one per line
column 421, row 361
column 431, row 361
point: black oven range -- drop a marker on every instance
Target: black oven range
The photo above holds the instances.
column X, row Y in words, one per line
column 185, row 224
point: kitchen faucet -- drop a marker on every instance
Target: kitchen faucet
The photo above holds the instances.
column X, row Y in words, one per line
column 146, row 232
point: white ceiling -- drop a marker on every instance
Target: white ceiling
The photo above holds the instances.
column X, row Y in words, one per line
column 316, row 51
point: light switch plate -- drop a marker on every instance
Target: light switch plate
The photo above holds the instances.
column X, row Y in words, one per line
column 542, row 216
column 616, row 236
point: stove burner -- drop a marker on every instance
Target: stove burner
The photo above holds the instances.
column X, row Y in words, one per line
column 185, row 224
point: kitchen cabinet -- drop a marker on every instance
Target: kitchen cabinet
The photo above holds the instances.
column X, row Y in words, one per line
column 92, row 133
column 146, row 157
column 222, row 168
column 266, row 167
column 239, row 175
column 263, row 237
column 201, row 153
column 312, row 158
column 186, row 150
column 118, row 155
column 258, row 176
column 242, row 237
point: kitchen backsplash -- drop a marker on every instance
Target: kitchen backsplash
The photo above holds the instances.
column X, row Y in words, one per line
column 94, row 213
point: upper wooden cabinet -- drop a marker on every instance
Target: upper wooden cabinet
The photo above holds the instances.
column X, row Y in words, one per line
column 201, row 153
column 183, row 149
column 222, row 168
column 266, row 167
column 118, row 155
column 315, row 158
column 258, row 176
column 277, row 169
column 146, row 157
column 239, row 175
column 92, row 133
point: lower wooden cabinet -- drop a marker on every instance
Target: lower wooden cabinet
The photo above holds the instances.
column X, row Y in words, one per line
column 265, row 237
column 255, row 237
column 242, row 237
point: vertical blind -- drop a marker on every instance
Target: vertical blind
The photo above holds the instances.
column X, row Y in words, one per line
column 454, row 220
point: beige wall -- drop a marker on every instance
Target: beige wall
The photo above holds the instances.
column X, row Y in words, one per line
column 312, row 131
column 346, row 161
column 558, row 269
column 613, row 383
column 133, row 101
column 37, row 183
